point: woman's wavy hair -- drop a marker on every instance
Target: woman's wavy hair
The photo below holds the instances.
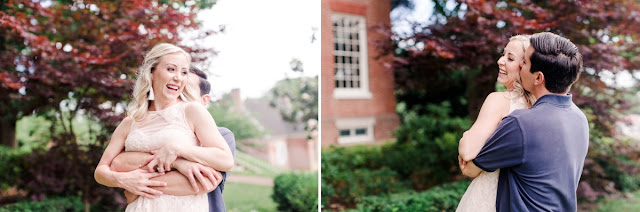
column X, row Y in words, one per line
column 140, row 97
column 517, row 85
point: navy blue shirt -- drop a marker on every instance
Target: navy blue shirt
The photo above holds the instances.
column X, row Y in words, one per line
column 216, row 202
column 540, row 153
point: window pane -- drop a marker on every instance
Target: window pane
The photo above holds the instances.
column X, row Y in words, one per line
column 361, row 131
column 346, row 52
column 345, row 133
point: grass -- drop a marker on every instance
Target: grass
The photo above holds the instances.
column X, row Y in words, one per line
column 255, row 166
column 240, row 197
column 621, row 204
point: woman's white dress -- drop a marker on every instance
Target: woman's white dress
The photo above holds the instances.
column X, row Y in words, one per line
column 156, row 130
column 481, row 193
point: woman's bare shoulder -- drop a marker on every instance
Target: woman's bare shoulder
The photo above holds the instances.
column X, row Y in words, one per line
column 194, row 107
column 497, row 101
column 126, row 122
column 498, row 97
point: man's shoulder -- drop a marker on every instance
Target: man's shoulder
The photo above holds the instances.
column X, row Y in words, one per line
column 225, row 131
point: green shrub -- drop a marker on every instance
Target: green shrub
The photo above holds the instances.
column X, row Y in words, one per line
column 423, row 156
column 10, row 166
column 62, row 204
column 353, row 172
column 296, row 192
column 440, row 198
column 427, row 145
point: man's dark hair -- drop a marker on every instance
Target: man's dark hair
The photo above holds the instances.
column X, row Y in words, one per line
column 205, row 86
column 558, row 59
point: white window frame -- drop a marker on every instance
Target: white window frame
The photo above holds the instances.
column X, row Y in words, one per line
column 352, row 124
column 363, row 91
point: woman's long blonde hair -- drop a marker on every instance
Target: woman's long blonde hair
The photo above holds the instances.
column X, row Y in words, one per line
column 140, row 97
column 517, row 85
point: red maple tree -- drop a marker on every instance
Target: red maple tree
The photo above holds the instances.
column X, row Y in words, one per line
column 81, row 55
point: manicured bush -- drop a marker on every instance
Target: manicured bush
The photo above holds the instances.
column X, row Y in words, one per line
column 296, row 192
column 62, row 204
column 353, row 172
column 440, row 198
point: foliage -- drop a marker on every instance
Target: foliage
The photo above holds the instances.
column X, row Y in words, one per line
column 429, row 140
column 423, row 156
column 611, row 167
column 296, row 192
column 297, row 99
column 628, row 204
column 344, row 170
column 82, row 56
column 65, row 170
column 32, row 132
column 444, row 197
column 61, row 204
column 239, row 123
column 469, row 36
column 10, row 172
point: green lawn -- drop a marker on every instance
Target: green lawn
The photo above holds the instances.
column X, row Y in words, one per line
column 622, row 204
column 241, row 197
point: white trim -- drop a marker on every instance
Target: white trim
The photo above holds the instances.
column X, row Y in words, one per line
column 361, row 56
column 352, row 124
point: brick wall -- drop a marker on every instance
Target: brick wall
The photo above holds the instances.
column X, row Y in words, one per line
column 382, row 104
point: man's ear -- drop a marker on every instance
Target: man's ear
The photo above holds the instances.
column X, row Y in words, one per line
column 539, row 80
column 205, row 99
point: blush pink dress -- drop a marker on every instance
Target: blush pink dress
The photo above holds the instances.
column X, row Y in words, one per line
column 156, row 130
column 481, row 194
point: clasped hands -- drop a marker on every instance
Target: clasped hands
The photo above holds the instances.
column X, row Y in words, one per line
column 140, row 182
column 166, row 158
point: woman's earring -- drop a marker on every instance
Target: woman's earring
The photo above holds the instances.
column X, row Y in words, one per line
column 183, row 97
column 151, row 96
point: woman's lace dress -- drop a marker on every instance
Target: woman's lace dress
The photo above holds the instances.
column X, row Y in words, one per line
column 156, row 130
column 481, row 193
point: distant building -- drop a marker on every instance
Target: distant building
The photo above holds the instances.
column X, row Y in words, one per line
column 286, row 145
column 358, row 102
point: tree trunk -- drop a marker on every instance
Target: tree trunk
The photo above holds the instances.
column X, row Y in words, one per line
column 480, row 86
column 8, row 132
column 87, row 206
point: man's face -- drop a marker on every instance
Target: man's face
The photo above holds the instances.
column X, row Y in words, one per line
column 525, row 72
column 196, row 82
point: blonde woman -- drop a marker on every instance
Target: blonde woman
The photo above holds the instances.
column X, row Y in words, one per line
column 163, row 119
column 481, row 193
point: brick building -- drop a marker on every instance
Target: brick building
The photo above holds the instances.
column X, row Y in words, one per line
column 358, row 103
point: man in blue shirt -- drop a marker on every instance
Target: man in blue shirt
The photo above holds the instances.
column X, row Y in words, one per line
column 540, row 151
column 216, row 202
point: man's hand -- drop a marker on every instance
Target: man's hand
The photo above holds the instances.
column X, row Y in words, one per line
column 205, row 175
column 470, row 169
column 163, row 158
column 461, row 163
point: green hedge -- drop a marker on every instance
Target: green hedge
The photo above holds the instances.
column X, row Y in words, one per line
column 296, row 192
column 62, row 204
column 440, row 198
column 10, row 166
column 425, row 155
